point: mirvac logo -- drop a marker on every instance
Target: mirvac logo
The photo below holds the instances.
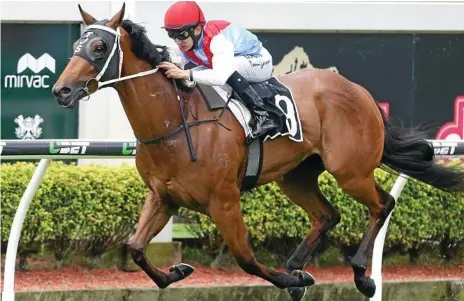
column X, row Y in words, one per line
column 37, row 66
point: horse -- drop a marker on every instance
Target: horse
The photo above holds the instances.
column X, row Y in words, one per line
column 345, row 132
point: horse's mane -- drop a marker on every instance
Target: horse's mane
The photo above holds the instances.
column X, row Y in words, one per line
column 144, row 49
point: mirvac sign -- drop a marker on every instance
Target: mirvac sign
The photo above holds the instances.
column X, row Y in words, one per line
column 37, row 66
column 32, row 58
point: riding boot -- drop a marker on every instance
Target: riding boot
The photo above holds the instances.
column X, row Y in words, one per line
column 260, row 122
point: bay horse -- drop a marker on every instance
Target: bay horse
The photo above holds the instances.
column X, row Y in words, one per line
column 345, row 132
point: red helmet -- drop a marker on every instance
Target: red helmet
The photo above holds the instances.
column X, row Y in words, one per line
column 182, row 15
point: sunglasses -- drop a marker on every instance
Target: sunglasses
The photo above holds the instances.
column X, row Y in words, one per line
column 180, row 35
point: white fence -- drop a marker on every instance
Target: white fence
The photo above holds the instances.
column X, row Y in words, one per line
column 82, row 149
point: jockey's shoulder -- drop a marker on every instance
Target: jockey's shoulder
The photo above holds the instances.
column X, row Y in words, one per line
column 216, row 26
column 222, row 24
column 218, row 21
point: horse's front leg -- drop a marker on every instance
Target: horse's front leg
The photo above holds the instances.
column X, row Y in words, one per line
column 155, row 215
column 224, row 209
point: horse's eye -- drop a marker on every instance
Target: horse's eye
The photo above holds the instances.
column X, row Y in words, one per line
column 100, row 48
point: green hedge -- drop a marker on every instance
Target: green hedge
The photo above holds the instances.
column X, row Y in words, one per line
column 85, row 208
column 94, row 208
column 423, row 216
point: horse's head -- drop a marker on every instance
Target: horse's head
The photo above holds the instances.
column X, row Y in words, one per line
column 97, row 56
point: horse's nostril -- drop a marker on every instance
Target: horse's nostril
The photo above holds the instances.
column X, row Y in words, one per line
column 62, row 91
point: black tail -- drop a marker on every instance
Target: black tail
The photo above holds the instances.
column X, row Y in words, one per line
column 407, row 151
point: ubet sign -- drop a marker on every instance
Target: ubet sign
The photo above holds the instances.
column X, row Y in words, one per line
column 27, row 61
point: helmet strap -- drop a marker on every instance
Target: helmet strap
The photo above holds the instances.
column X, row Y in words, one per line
column 195, row 38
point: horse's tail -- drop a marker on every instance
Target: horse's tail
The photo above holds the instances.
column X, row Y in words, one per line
column 407, row 151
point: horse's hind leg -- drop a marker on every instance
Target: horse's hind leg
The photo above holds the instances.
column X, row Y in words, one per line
column 155, row 215
column 380, row 204
column 301, row 186
column 224, row 209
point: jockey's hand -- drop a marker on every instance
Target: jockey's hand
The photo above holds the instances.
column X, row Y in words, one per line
column 172, row 71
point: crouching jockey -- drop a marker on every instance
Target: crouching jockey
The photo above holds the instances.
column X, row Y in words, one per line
column 223, row 53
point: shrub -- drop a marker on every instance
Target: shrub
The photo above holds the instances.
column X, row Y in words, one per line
column 94, row 208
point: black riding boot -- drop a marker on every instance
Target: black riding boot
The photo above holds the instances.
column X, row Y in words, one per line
column 261, row 122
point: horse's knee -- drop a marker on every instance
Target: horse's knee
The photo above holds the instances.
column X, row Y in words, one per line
column 137, row 253
column 329, row 221
column 333, row 220
column 320, row 228
column 388, row 203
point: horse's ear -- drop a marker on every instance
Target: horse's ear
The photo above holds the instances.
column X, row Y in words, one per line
column 87, row 18
column 116, row 20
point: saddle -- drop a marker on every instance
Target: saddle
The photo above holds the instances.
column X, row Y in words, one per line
column 278, row 101
column 281, row 107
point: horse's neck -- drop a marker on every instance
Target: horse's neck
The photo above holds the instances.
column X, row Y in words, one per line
column 149, row 102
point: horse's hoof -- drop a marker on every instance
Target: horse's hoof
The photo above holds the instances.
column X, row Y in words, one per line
column 297, row 293
column 366, row 286
column 183, row 270
column 306, row 279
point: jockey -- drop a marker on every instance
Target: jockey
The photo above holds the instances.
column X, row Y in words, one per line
column 224, row 54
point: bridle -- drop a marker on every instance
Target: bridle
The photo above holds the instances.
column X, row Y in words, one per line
column 116, row 49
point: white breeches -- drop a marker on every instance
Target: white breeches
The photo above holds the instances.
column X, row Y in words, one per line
column 252, row 68
column 255, row 68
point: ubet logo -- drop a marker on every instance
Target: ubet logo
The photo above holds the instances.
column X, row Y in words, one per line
column 27, row 61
